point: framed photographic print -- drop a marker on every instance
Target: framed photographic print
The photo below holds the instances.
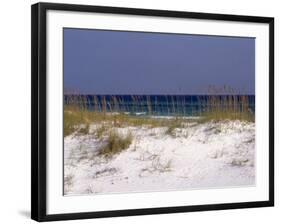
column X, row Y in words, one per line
column 139, row 111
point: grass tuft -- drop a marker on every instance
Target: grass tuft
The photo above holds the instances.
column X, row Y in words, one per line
column 175, row 123
column 116, row 143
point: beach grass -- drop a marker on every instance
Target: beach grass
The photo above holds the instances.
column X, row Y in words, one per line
column 217, row 115
column 220, row 104
column 227, row 107
column 78, row 121
column 74, row 118
column 116, row 143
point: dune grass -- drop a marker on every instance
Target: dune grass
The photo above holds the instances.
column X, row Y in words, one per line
column 103, row 119
column 219, row 104
column 228, row 107
column 227, row 115
column 78, row 121
column 116, row 143
column 74, row 119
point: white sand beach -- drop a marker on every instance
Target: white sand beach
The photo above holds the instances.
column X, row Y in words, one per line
column 199, row 155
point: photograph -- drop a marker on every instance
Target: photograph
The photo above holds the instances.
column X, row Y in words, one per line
column 139, row 111
column 154, row 112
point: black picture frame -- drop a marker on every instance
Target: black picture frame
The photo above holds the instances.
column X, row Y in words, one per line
column 39, row 122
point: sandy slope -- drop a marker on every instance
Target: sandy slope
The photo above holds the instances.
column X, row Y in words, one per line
column 199, row 156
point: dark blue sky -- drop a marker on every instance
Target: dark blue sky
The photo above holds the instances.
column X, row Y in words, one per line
column 113, row 62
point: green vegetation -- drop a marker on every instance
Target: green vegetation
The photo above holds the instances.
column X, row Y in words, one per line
column 115, row 143
column 74, row 118
column 103, row 119
column 220, row 104
column 78, row 121
column 228, row 107
column 227, row 115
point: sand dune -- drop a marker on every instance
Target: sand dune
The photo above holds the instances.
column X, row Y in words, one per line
column 200, row 155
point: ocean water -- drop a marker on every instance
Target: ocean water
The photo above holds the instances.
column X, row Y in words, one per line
column 161, row 105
